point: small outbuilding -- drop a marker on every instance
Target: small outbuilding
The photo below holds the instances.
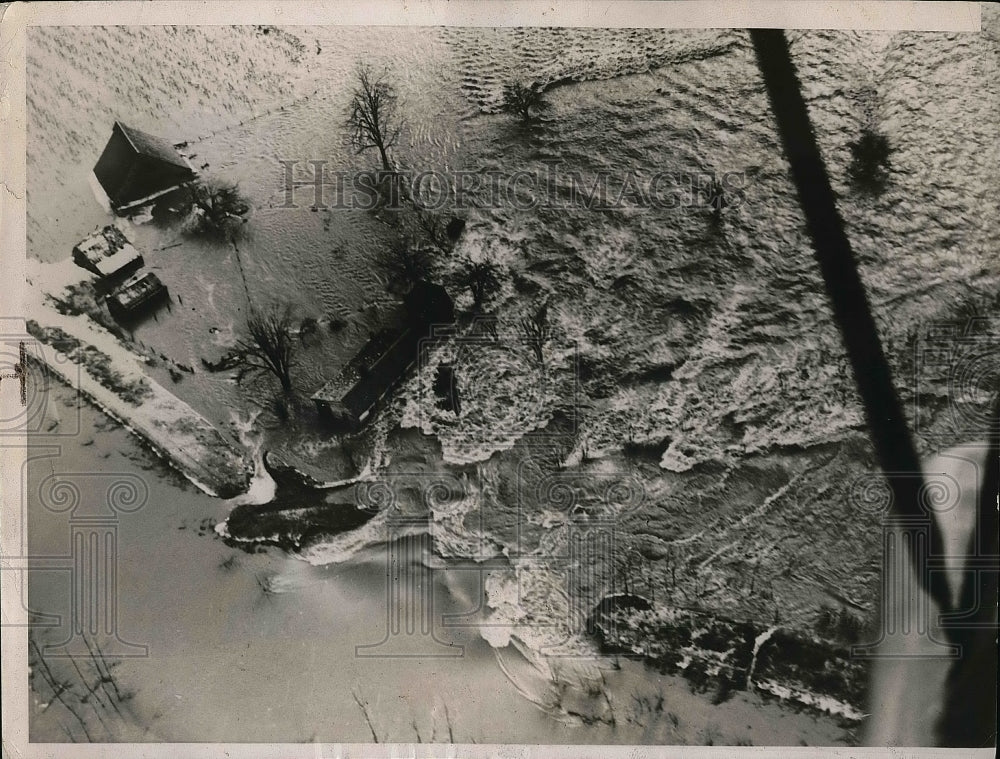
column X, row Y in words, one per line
column 140, row 293
column 107, row 253
column 136, row 168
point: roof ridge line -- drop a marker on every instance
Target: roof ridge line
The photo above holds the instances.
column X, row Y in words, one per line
column 126, row 130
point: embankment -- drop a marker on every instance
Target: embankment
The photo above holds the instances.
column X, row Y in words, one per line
column 109, row 375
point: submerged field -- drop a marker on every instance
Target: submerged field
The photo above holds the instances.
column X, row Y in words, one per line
column 694, row 393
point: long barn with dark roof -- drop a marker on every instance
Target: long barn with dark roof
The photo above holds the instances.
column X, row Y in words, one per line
column 349, row 398
column 137, row 167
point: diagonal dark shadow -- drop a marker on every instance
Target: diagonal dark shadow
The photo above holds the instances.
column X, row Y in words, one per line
column 969, row 713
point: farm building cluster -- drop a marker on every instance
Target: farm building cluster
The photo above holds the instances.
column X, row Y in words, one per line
column 134, row 170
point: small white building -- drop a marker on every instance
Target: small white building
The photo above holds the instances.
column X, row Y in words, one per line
column 107, row 253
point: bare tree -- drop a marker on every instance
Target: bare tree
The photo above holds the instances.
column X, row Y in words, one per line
column 368, row 717
column 92, row 693
column 373, row 117
column 431, row 226
column 269, row 347
column 536, row 330
column 483, row 280
column 523, row 100
column 404, row 263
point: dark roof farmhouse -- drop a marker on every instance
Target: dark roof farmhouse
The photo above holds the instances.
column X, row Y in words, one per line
column 136, row 167
column 348, row 399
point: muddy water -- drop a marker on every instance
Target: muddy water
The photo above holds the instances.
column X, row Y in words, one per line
column 644, row 101
column 259, row 646
column 263, row 646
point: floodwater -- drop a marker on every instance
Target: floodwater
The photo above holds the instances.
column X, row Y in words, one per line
column 713, row 348
column 266, row 647
column 258, row 647
column 648, row 102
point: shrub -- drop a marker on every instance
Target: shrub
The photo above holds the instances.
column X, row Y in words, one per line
column 523, row 100
column 216, row 209
column 870, row 165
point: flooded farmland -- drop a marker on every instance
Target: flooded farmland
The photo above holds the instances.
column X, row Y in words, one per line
column 692, row 371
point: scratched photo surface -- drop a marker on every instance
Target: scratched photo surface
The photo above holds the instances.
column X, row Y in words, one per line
column 471, row 385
